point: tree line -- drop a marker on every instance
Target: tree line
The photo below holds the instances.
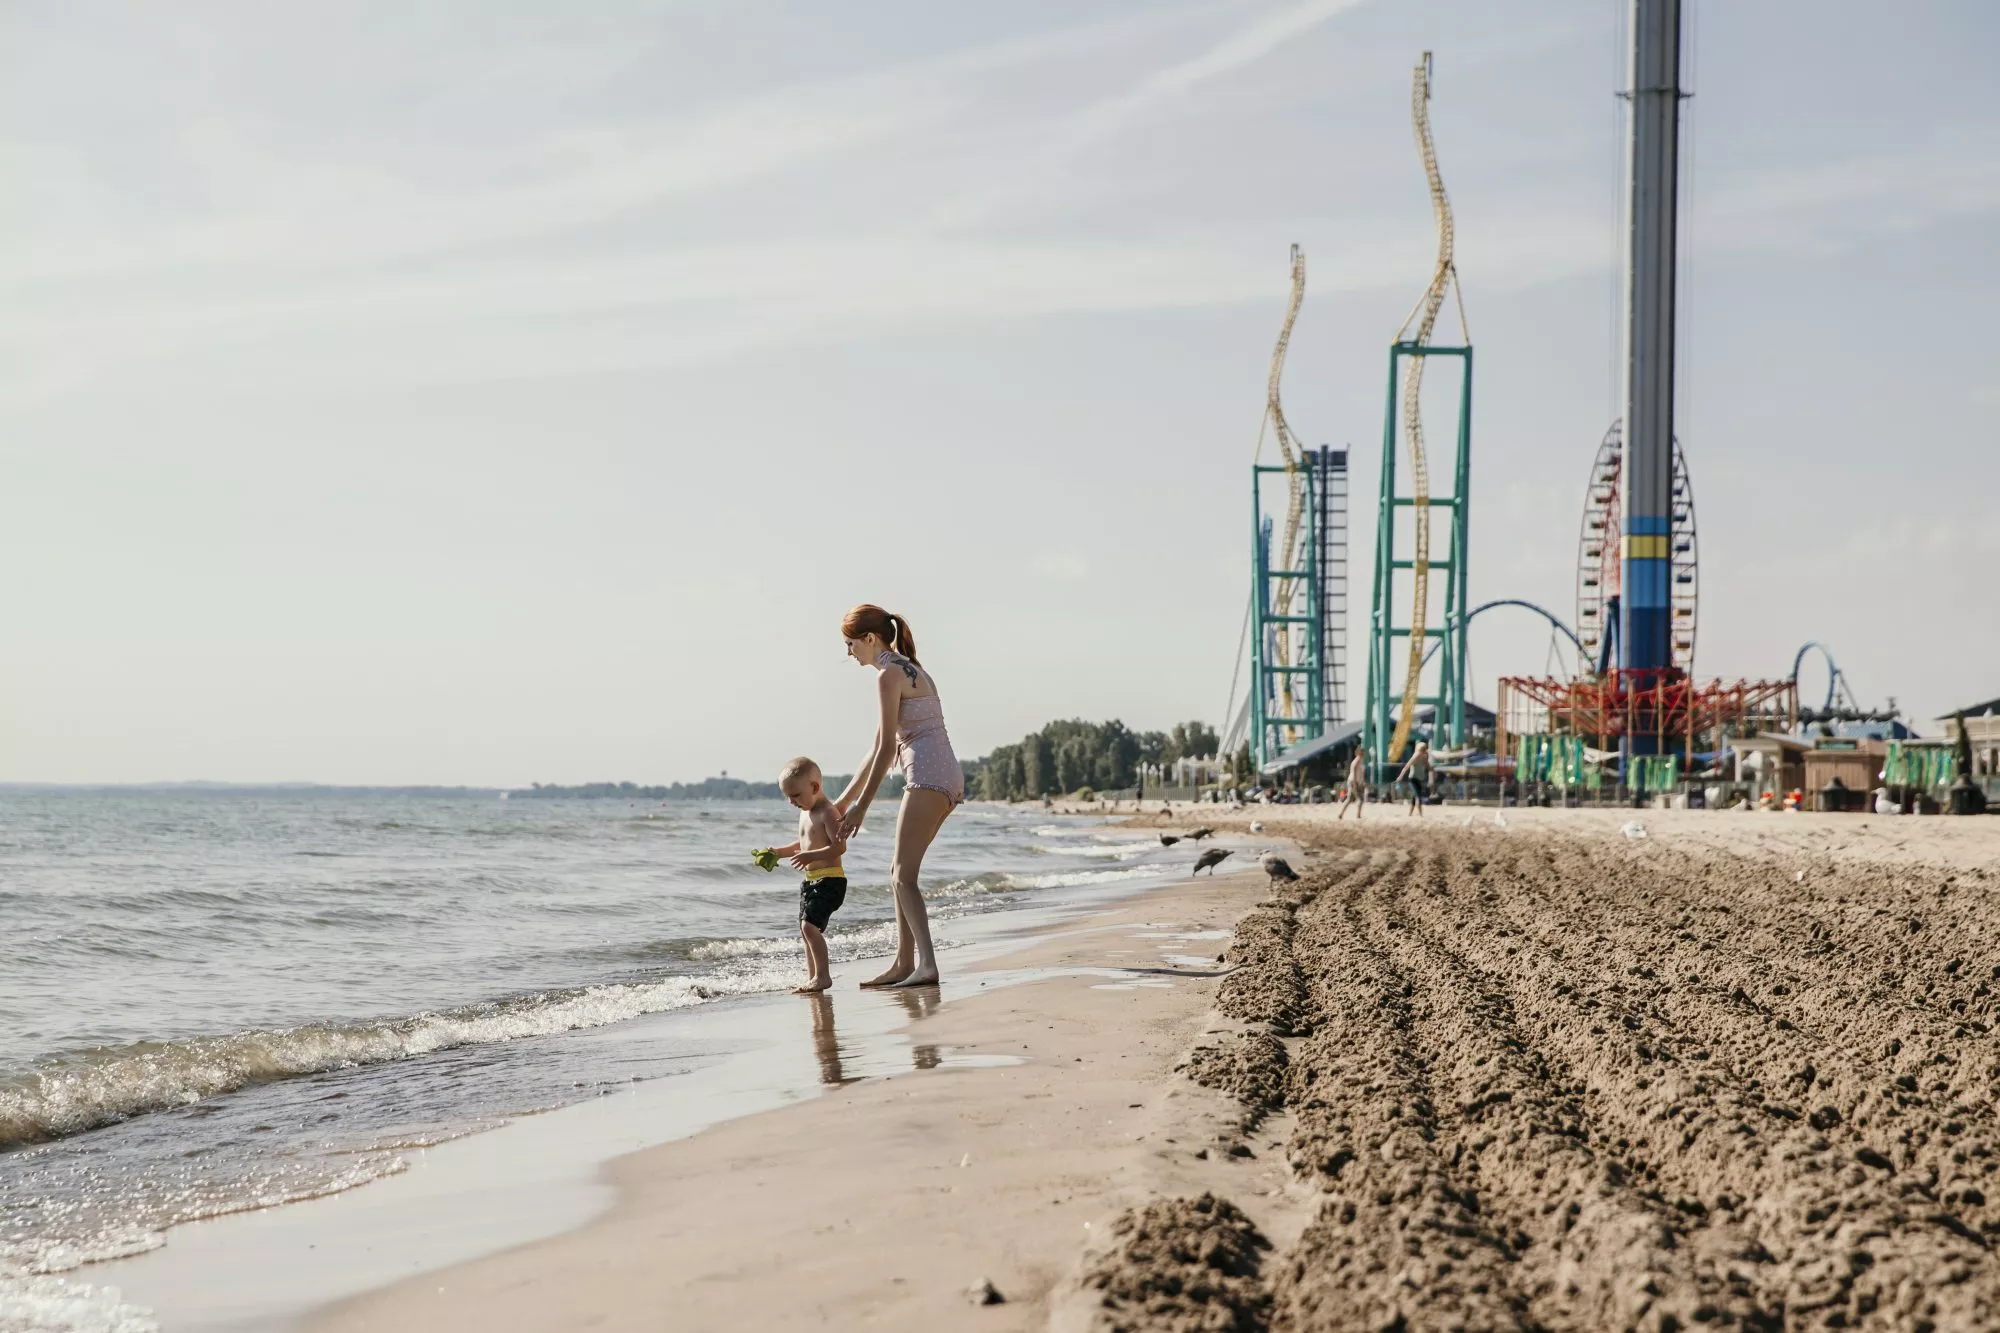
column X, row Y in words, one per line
column 1068, row 756
column 708, row 789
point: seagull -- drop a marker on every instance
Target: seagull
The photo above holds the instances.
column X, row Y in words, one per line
column 1168, row 840
column 1211, row 858
column 1277, row 868
column 1196, row 835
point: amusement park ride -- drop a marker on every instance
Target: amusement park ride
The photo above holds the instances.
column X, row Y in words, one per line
column 1634, row 700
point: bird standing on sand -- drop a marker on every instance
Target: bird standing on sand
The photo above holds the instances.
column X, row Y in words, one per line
column 1211, row 858
column 1168, row 840
column 1279, row 869
column 1196, row 835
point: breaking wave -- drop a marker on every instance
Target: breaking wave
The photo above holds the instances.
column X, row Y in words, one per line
column 71, row 1093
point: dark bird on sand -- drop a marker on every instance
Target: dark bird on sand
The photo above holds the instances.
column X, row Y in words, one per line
column 1211, row 858
column 1277, row 868
column 1196, row 835
column 1168, row 840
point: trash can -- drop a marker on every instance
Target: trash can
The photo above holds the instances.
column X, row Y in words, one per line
column 1834, row 797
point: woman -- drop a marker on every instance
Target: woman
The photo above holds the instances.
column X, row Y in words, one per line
column 911, row 735
column 1418, row 771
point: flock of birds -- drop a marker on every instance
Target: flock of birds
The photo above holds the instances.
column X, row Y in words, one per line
column 1271, row 863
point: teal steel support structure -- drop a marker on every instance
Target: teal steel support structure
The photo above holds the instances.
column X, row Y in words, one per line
column 1275, row 728
column 1387, row 668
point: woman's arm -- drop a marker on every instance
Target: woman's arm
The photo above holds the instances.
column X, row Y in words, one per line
column 890, row 694
column 859, row 782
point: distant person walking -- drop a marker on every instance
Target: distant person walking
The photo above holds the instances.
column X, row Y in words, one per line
column 1418, row 770
column 910, row 734
column 1357, row 785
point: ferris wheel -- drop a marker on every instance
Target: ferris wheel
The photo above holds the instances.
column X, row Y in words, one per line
column 1600, row 554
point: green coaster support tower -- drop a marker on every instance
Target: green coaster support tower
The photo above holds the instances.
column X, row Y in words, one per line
column 1397, row 646
column 1287, row 682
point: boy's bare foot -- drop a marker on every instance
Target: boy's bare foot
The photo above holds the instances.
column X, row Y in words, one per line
column 813, row 987
column 927, row 977
column 894, row 976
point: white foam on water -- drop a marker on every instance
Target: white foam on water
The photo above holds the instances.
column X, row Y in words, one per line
column 1074, row 878
column 37, row 1304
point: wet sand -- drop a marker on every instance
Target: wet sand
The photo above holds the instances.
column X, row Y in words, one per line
column 1736, row 1073
column 881, row 1203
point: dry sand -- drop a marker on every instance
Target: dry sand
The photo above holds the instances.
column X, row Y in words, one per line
column 1737, row 1073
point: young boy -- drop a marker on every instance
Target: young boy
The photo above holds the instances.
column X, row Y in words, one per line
column 817, row 852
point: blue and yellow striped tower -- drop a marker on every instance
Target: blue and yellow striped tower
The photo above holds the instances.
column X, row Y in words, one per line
column 1651, row 168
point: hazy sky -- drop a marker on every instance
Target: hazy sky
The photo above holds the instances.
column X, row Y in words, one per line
column 491, row 392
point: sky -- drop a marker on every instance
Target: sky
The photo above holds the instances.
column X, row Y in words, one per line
column 491, row 392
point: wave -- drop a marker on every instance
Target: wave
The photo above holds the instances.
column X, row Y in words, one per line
column 842, row 946
column 1115, row 851
column 1075, row 878
column 69, row 1094
column 60, row 1306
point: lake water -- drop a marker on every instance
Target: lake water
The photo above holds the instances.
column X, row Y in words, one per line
column 218, row 1001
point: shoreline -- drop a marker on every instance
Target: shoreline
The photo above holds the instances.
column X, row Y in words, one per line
column 888, row 1198
column 538, row 1175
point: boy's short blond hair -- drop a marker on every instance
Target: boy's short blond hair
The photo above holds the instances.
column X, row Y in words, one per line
column 796, row 770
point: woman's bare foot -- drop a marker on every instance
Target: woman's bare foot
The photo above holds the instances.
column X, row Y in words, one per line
column 813, row 987
column 893, row 977
column 923, row 977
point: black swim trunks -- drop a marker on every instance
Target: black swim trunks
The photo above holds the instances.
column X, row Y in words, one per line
column 819, row 899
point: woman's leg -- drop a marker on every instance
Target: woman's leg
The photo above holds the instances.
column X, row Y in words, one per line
column 923, row 814
column 905, row 960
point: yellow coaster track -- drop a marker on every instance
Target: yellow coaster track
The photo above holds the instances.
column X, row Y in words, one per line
column 1417, row 329
column 1288, row 554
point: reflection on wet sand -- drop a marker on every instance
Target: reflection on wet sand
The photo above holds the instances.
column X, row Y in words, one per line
column 826, row 1041
column 920, row 1002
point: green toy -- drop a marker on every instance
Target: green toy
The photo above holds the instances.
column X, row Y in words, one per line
column 765, row 858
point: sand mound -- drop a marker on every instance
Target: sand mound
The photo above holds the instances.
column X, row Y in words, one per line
column 1250, row 1068
column 1182, row 1266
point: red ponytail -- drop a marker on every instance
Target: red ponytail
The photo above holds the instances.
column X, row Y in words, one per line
column 892, row 630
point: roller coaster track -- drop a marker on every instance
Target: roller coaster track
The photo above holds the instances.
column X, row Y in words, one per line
column 1288, row 555
column 1417, row 329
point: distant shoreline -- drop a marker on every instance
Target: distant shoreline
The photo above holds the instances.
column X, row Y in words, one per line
column 708, row 789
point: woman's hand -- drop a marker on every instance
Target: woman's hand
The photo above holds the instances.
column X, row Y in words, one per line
column 851, row 820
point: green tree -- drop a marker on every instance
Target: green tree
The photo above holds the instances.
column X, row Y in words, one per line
column 1037, row 773
column 1198, row 739
column 1240, row 767
column 1073, row 764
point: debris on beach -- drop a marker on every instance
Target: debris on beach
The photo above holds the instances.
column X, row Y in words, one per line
column 983, row 1292
column 1256, row 826
column 1632, row 828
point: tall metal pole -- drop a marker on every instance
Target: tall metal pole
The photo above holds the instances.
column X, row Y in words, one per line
column 1652, row 164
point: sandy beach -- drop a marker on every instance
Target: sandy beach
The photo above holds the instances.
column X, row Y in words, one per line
column 1733, row 1073
column 1484, row 1069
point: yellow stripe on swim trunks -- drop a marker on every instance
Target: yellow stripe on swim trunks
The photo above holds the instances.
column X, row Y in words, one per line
column 825, row 872
column 1644, row 547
